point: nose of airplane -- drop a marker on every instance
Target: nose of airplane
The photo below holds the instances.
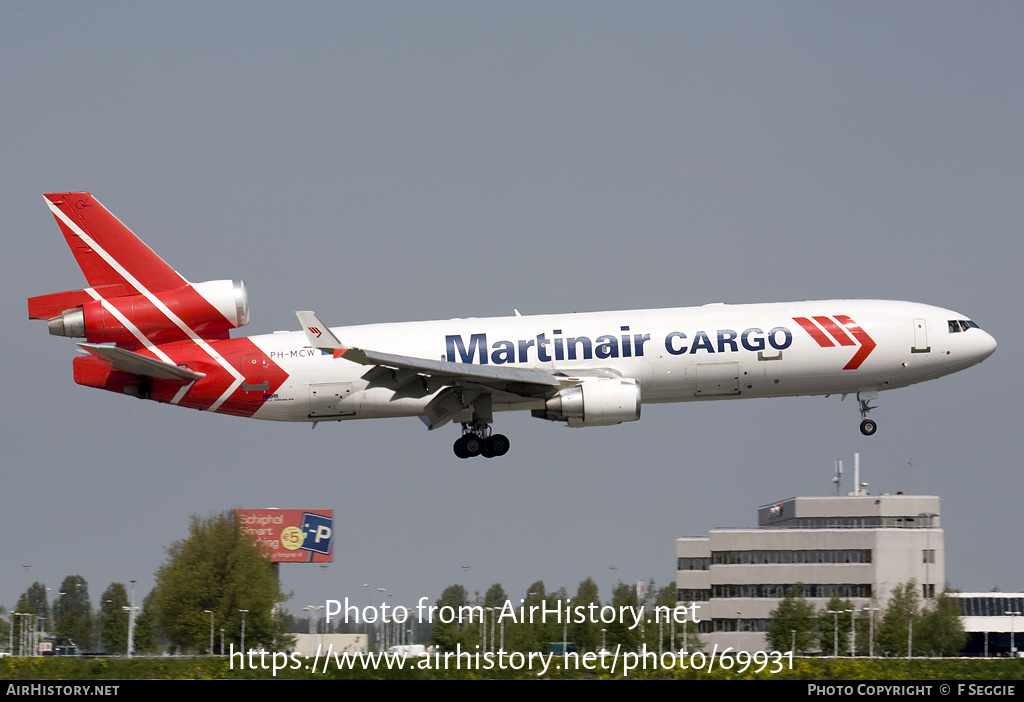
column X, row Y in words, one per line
column 983, row 345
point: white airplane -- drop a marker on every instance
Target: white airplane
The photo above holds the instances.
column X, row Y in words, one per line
column 151, row 334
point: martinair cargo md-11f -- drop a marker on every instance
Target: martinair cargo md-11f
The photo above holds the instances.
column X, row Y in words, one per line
column 151, row 334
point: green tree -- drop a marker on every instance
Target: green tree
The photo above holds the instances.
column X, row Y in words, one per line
column 942, row 630
column 447, row 632
column 901, row 618
column 624, row 601
column 114, row 619
column 835, row 627
column 495, row 596
column 222, row 569
column 793, row 614
column 73, row 614
column 145, row 634
column 586, row 634
column 524, row 634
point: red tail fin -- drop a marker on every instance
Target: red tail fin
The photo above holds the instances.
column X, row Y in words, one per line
column 107, row 251
column 134, row 297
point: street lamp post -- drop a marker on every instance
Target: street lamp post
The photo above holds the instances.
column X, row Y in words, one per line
column 738, row 615
column 366, row 624
column 835, row 631
column 244, row 612
column 210, row 650
column 871, row 630
column 565, row 636
column 380, row 642
column 910, row 636
column 661, row 636
column 853, row 632
column 1013, row 632
column 131, row 621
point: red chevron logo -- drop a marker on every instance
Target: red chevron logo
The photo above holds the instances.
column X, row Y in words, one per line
column 829, row 331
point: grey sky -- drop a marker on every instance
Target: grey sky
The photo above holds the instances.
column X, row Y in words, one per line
column 404, row 161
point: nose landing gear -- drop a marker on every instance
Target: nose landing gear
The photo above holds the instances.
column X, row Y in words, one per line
column 867, row 426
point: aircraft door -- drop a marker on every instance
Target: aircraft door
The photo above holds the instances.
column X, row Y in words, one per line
column 920, row 337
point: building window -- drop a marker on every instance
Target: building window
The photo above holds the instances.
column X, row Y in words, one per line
column 694, row 563
column 850, row 555
column 727, row 624
column 691, row 595
column 778, row 591
column 993, row 606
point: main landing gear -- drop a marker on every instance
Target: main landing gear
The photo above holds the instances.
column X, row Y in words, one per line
column 477, row 440
column 867, row 426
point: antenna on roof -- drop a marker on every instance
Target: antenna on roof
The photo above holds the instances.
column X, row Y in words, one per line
column 858, row 486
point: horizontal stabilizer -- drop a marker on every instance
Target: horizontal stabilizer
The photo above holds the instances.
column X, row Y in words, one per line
column 50, row 306
column 131, row 362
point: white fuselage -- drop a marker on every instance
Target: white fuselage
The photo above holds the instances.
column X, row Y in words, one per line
column 696, row 353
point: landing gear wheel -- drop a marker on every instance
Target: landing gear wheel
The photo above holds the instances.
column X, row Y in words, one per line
column 498, row 444
column 868, row 427
column 459, row 447
column 472, row 444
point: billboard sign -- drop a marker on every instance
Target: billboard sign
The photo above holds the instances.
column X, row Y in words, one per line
column 291, row 535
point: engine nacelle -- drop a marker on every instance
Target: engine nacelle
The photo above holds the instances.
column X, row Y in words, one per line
column 210, row 309
column 595, row 403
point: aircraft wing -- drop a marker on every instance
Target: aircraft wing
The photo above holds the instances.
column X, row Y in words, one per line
column 410, row 376
column 444, row 369
column 320, row 337
column 131, row 362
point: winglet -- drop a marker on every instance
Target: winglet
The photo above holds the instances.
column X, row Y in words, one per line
column 319, row 334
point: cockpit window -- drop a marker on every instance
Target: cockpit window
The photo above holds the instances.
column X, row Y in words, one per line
column 959, row 325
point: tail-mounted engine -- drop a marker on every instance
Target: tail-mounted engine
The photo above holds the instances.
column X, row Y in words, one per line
column 208, row 309
column 595, row 403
